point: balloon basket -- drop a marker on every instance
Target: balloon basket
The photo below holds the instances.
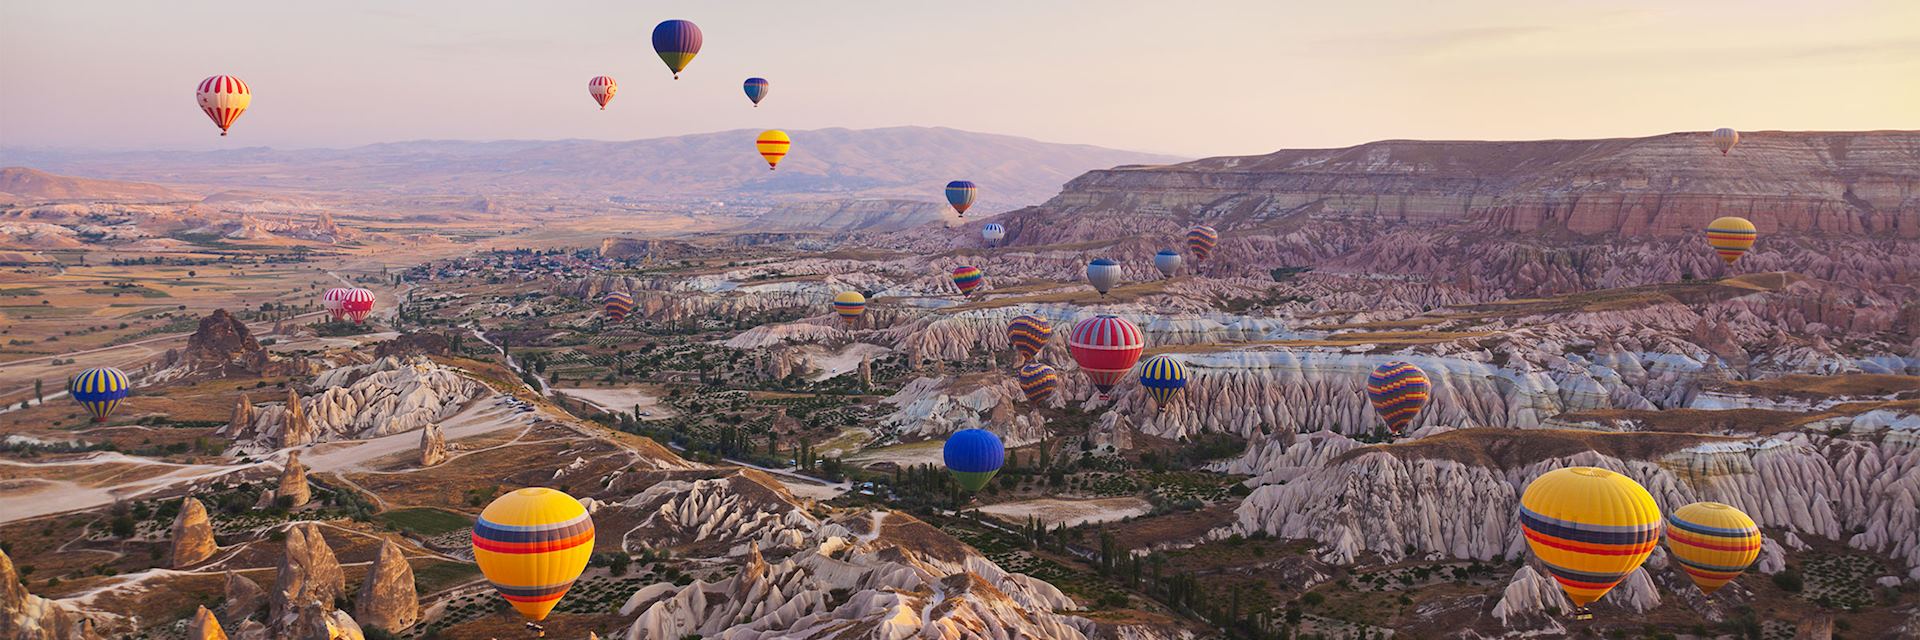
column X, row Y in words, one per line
column 1582, row 613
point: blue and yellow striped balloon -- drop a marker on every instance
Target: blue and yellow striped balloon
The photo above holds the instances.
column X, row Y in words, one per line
column 1029, row 334
column 676, row 41
column 1163, row 377
column 1398, row 391
column 1038, row 381
column 532, row 544
column 1590, row 526
column 100, row 390
column 961, row 194
column 850, row 305
column 1712, row 542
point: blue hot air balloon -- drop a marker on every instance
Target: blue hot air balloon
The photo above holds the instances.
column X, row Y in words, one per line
column 100, row 390
column 677, row 41
column 1103, row 274
column 973, row 456
column 960, row 194
column 1163, row 377
column 756, row 89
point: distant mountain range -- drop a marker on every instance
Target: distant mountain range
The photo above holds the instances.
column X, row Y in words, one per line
column 24, row 185
column 911, row 163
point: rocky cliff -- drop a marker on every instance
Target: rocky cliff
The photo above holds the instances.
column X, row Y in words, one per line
column 391, row 395
column 25, row 616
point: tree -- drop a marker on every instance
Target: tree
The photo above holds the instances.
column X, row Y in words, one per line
column 37, row 396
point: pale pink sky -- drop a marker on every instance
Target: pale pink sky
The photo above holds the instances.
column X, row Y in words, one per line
column 1194, row 78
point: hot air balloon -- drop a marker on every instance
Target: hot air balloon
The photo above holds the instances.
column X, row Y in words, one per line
column 357, row 305
column 602, row 89
column 960, row 194
column 100, row 390
column 756, row 89
column 1106, row 347
column 973, row 456
column 1038, row 381
column 1103, row 274
column 1398, row 391
column 224, row 98
column 1591, row 527
column 1167, row 262
column 532, row 544
column 677, row 41
column 1713, row 543
column 334, row 301
column 1725, row 138
column 1163, row 377
column 617, row 304
column 1200, row 240
column 992, row 232
column 773, row 145
column 1029, row 334
column 968, row 279
column 1731, row 237
column 850, row 305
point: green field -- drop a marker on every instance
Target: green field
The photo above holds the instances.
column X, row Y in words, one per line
column 440, row 576
column 426, row 521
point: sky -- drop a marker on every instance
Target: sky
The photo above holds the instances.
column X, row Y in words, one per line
column 1194, row 78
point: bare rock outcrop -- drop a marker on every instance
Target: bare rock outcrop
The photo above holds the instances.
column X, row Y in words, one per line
column 309, row 579
column 387, row 396
column 387, row 598
column 243, row 598
column 294, row 429
column 293, row 482
column 242, row 414
column 192, row 534
column 29, row 617
column 205, row 626
column 433, row 445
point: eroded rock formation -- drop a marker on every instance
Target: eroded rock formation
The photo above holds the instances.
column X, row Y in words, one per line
column 192, row 534
column 433, row 445
column 293, row 482
column 307, row 583
column 387, row 598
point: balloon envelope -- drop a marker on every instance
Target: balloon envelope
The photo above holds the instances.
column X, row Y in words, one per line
column 334, row 302
column 1725, row 138
column 973, row 456
column 532, row 544
column 223, row 98
column 1163, row 377
column 677, row 41
column 1590, row 526
column 602, row 89
column 1103, row 274
column 756, row 89
column 1106, row 347
column 617, row 305
column 1200, row 240
column 1167, row 262
column 850, row 305
column 960, row 194
column 992, row 232
column 1712, row 542
column 357, row 305
column 1038, row 381
column 1398, row 390
column 99, row 390
column 968, row 279
column 1029, row 334
column 1731, row 237
column 773, row 145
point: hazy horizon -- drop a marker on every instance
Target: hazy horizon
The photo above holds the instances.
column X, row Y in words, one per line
column 1266, row 77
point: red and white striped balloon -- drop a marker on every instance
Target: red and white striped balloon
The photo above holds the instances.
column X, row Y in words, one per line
column 602, row 89
column 224, row 98
column 358, row 305
column 334, row 301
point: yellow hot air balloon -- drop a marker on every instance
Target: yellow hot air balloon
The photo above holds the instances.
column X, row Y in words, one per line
column 850, row 305
column 1731, row 237
column 1591, row 527
column 773, row 145
column 1712, row 542
column 532, row 544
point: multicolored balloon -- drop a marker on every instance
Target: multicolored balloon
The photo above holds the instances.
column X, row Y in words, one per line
column 1398, row 391
column 602, row 89
column 1038, row 381
column 677, row 41
column 334, row 301
column 357, row 305
column 756, row 89
column 617, row 305
column 960, row 194
column 973, row 456
column 1106, row 347
column 532, row 544
column 773, row 145
column 100, row 390
column 1201, row 240
column 1029, row 335
column 223, row 98
column 1712, row 542
column 992, row 232
column 1163, row 377
column 1731, row 237
column 968, row 278
column 850, row 305
column 1167, row 261
column 1103, row 274
column 1591, row 527
column 1725, row 138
